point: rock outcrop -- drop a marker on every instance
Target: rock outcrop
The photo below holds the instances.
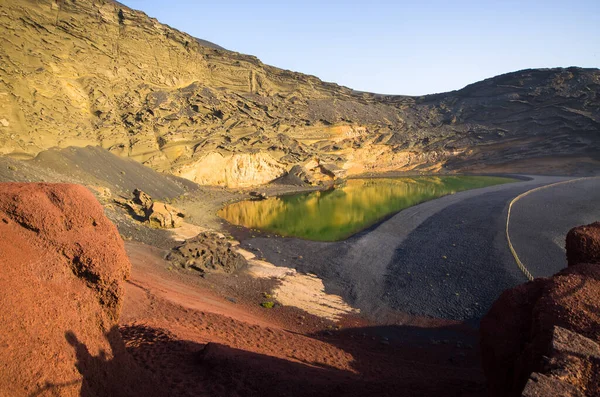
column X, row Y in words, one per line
column 207, row 253
column 164, row 216
column 570, row 368
column 62, row 270
column 157, row 214
column 545, row 335
column 77, row 73
column 583, row 244
column 232, row 170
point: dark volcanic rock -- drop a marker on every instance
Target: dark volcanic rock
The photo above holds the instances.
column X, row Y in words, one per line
column 207, row 252
column 259, row 195
column 542, row 386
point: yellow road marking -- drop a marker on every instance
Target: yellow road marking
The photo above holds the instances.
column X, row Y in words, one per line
column 520, row 264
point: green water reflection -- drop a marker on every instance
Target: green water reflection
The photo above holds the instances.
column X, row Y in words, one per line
column 337, row 214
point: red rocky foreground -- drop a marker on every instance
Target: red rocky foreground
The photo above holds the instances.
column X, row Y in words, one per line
column 62, row 277
column 62, row 281
column 542, row 338
column 62, row 270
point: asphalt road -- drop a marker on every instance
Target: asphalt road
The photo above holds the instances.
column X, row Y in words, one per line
column 540, row 221
column 445, row 258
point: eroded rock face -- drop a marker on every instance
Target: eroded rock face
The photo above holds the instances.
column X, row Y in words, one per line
column 521, row 329
column 313, row 172
column 62, row 269
column 176, row 103
column 233, row 170
column 69, row 220
column 207, row 252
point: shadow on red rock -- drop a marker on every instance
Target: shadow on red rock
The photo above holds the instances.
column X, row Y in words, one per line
column 110, row 373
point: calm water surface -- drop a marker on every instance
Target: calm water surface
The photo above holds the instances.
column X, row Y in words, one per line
column 341, row 212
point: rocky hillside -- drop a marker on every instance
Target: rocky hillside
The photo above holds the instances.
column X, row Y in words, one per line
column 94, row 72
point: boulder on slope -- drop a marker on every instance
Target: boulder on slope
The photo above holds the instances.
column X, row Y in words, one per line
column 207, row 253
column 583, row 244
column 156, row 213
column 62, row 270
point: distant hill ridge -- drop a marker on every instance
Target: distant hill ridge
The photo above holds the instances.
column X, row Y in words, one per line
column 98, row 73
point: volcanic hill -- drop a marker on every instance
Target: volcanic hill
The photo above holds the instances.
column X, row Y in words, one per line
column 94, row 72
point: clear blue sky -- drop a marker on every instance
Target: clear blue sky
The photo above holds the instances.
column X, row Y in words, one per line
column 395, row 47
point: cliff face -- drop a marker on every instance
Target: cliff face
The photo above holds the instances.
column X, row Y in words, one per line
column 94, row 72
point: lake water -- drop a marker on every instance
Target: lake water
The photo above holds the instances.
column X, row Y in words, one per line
column 338, row 213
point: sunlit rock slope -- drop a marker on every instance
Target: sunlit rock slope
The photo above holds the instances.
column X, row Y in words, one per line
column 94, row 72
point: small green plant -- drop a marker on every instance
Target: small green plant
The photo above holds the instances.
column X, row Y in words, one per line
column 268, row 304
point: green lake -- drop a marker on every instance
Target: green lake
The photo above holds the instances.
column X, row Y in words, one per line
column 338, row 213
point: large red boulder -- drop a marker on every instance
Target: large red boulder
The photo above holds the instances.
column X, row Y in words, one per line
column 62, row 269
column 517, row 333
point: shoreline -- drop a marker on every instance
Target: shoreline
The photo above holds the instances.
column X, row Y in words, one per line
column 242, row 232
column 340, row 264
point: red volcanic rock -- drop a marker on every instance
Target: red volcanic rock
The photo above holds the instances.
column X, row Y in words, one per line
column 504, row 332
column 68, row 220
column 520, row 330
column 517, row 332
column 583, row 244
column 62, row 268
